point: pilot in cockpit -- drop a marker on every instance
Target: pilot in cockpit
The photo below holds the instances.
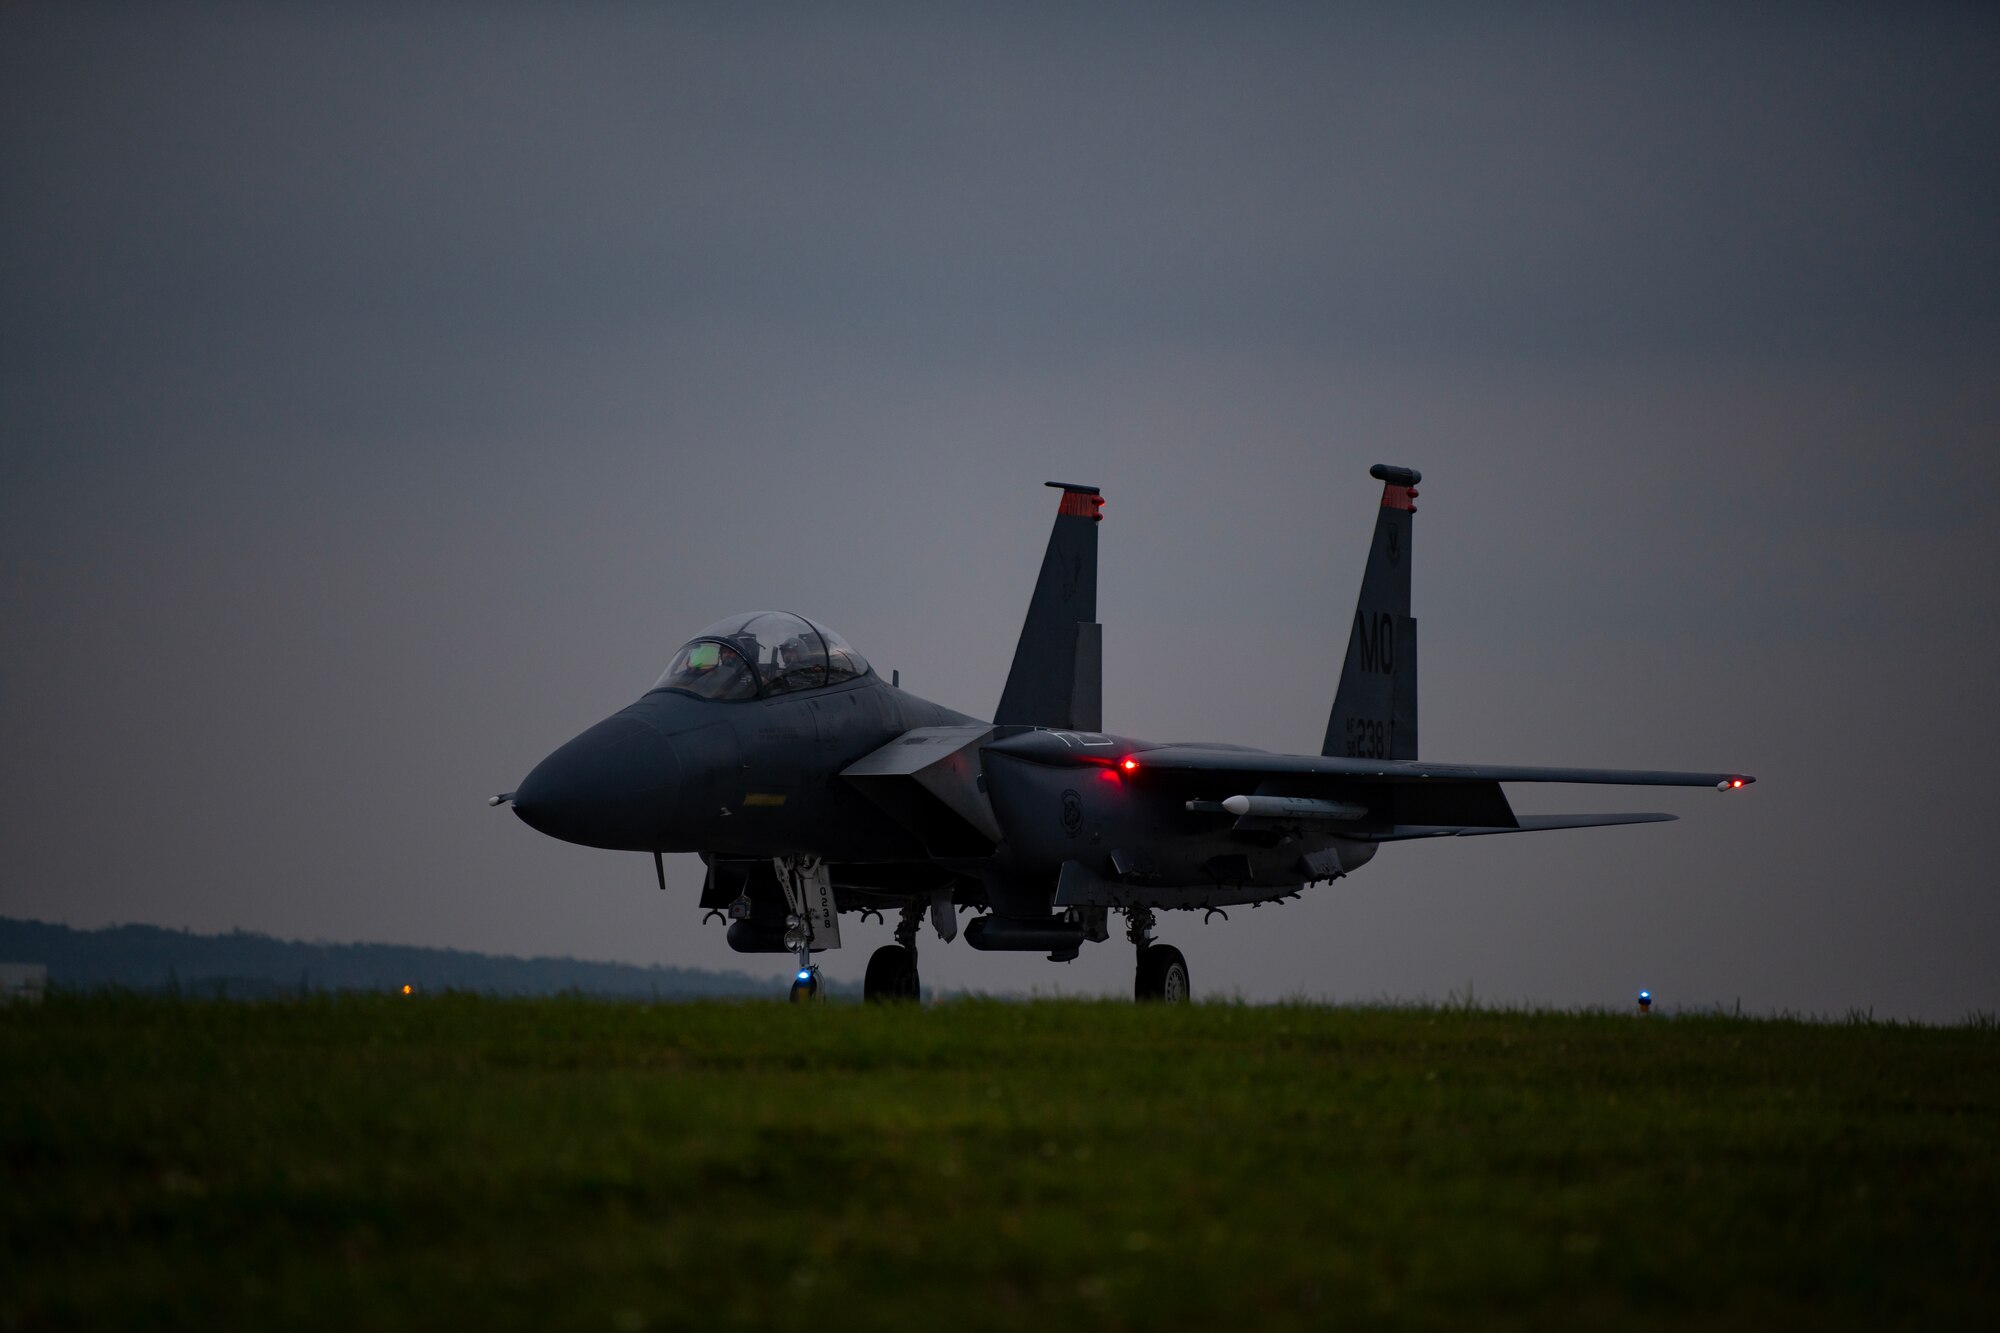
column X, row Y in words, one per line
column 792, row 660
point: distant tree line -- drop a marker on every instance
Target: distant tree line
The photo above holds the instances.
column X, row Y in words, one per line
column 246, row 965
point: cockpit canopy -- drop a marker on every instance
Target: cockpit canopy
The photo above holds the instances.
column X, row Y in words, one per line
column 762, row 653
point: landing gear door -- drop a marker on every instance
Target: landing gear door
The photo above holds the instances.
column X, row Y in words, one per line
column 809, row 892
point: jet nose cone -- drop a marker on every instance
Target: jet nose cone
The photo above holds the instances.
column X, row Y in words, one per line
column 610, row 787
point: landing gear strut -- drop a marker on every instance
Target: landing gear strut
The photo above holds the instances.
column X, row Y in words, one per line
column 812, row 919
column 892, row 969
column 1162, row 972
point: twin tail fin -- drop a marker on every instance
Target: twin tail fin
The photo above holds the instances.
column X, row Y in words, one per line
column 1375, row 708
column 1057, row 679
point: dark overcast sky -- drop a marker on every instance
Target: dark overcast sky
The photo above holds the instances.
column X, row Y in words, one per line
column 386, row 391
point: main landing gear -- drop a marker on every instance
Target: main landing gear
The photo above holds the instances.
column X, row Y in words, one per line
column 892, row 969
column 1162, row 972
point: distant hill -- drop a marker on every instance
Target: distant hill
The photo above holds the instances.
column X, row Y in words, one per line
column 245, row 965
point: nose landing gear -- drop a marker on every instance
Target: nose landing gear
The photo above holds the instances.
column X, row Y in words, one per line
column 813, row 921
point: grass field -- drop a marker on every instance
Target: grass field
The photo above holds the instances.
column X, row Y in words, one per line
column 452, row 1161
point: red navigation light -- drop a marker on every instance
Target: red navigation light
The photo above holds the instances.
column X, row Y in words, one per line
column 1082, row 504
column 1130, row 765
column 1736, row 782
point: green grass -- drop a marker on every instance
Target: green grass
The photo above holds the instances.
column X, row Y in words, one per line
column 451, row 1161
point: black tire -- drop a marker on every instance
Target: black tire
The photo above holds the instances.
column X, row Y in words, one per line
column 808, row 989
column 892, row 976
column 1163, row 976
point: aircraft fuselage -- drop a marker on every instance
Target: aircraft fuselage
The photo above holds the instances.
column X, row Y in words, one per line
column 751, row 779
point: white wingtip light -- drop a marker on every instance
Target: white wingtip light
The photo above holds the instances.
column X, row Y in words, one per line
column 501, row 799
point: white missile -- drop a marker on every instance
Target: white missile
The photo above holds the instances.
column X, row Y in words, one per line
column 1302, row 809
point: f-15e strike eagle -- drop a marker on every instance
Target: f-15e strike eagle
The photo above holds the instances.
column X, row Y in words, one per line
column 811, row 787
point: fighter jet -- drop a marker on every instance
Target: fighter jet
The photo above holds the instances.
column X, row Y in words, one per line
column 812, row 789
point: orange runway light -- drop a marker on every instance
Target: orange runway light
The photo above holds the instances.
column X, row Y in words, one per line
column 406, row 988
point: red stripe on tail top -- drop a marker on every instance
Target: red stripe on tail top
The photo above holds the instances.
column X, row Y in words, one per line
column 1399, row 497
column 1082, row 504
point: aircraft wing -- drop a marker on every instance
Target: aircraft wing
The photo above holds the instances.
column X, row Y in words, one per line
column 1368, row 799
column 1227, row 761
column 1392, row 800
column 1522, row 824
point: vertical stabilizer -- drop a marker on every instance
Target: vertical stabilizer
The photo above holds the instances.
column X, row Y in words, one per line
column 1057, row 677
column 1375, row 708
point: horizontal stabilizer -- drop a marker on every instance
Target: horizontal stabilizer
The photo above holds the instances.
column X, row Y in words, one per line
column 1526, row 824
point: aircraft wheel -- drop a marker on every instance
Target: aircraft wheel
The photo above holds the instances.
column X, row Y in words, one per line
column 1163, row 975
column 805, row 988
column 892, row 975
